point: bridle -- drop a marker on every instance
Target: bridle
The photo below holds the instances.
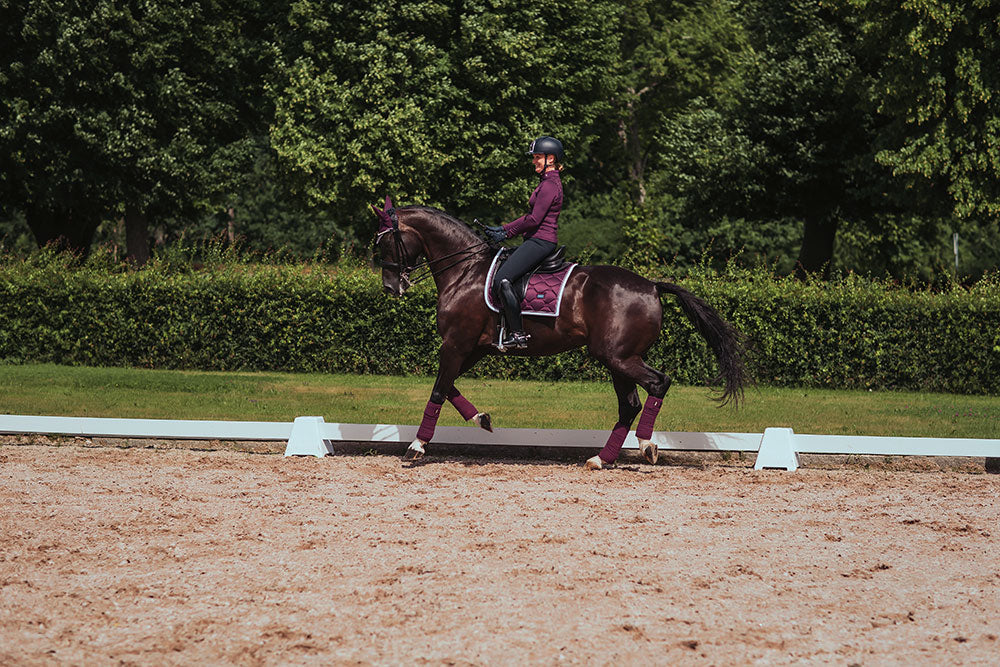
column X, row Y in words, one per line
column 402, row 265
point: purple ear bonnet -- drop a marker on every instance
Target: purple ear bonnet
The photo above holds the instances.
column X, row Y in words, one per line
column 384, row 219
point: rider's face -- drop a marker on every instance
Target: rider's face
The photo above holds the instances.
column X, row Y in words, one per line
column 538, row 159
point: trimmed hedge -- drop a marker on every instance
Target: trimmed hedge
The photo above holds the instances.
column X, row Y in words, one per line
column 849, row 334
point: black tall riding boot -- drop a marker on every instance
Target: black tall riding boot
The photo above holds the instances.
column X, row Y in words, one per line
column 515, row 336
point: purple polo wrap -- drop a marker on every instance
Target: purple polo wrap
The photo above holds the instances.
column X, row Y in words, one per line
column 466, row 409
column 427, row 424
column 649, row 411
column 614, row 444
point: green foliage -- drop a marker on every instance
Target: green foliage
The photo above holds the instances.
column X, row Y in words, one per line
column 790, row 142
column 670, row 56
column 111, row 105
column 937, row 87
column 594, row 228
column 240, row 315
column 919, row 249
column 697, row 131
column 15, row 236
column 435, row 103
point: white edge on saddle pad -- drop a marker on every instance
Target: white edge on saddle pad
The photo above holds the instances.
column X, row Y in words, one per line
column 489, row 281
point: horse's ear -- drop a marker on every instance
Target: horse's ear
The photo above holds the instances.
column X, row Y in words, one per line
column 388, row 203
column 384, row 221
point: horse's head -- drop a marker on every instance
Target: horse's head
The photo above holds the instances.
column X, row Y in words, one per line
column 396, row 248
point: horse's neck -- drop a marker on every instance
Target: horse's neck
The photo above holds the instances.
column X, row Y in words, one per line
column 445, row 244
column 441, row 236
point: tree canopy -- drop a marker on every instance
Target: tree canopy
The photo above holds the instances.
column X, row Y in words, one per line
column 113, row 108
column 437, row 102
column 935, row 82
column 850, row 134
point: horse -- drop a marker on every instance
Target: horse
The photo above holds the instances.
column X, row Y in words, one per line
column 615, row 313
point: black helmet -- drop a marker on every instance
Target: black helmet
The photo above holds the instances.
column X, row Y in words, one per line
column 548, row 146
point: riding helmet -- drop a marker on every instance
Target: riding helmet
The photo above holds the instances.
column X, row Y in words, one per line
column 548, row 146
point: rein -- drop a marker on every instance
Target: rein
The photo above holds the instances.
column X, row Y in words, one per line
column 404, row 270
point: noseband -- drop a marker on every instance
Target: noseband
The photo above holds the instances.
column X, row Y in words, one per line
column 402, row 264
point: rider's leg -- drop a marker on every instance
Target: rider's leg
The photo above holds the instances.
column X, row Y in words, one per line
column 511, row 307
column 524, row 259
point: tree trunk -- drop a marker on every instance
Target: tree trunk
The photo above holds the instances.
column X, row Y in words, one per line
column 136, row 235
column 816, row 253
column 628, row 132
column 62, row 229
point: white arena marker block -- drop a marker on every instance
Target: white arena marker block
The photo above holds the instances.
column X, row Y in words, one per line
column 307, row 439
column 777, row 450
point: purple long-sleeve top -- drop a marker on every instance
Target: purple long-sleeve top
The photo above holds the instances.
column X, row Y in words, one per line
column 542, row 220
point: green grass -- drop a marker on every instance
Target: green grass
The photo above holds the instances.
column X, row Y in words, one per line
column 123, row 392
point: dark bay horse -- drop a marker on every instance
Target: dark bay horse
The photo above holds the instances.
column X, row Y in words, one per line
column 613, row 312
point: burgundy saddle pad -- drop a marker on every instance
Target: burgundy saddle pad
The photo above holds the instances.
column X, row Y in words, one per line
column 543, row 295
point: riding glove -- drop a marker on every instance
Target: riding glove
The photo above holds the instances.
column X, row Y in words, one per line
column 496, row 234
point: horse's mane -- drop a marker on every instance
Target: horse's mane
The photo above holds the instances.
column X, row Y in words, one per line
column 451, row 221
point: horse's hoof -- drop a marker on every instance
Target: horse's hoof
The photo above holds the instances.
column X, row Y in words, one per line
column 594, row 463
column 649, row 451
column 483, row 421
column 414, row 451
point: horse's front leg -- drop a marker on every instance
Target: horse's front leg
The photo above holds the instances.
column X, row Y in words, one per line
column 450, row 365
column 465, row 408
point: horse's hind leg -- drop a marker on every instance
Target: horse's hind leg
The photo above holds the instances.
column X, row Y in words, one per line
column 656, row 384
column 657, row 387
column 628, row 408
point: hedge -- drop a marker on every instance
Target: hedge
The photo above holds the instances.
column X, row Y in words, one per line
column 853, row 333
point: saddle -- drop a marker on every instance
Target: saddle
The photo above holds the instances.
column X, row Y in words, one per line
column 540, row 290
column 554, row 262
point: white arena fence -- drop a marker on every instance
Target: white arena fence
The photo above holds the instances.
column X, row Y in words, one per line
column 313, row 436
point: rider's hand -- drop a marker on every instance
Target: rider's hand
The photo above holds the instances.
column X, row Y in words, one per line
column 496, row 234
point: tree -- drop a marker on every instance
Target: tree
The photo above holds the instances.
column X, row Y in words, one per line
column 793, row 140
column 124, row 109
column 938, row 89
column 671, row 55
column 436, row 102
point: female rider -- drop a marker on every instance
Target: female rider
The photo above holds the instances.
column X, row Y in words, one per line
column 539, row 228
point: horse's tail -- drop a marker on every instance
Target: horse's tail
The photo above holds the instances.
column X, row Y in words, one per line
column 725, row 341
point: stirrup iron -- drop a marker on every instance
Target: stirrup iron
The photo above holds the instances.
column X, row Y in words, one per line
column 515, row 340
column 518, row 340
